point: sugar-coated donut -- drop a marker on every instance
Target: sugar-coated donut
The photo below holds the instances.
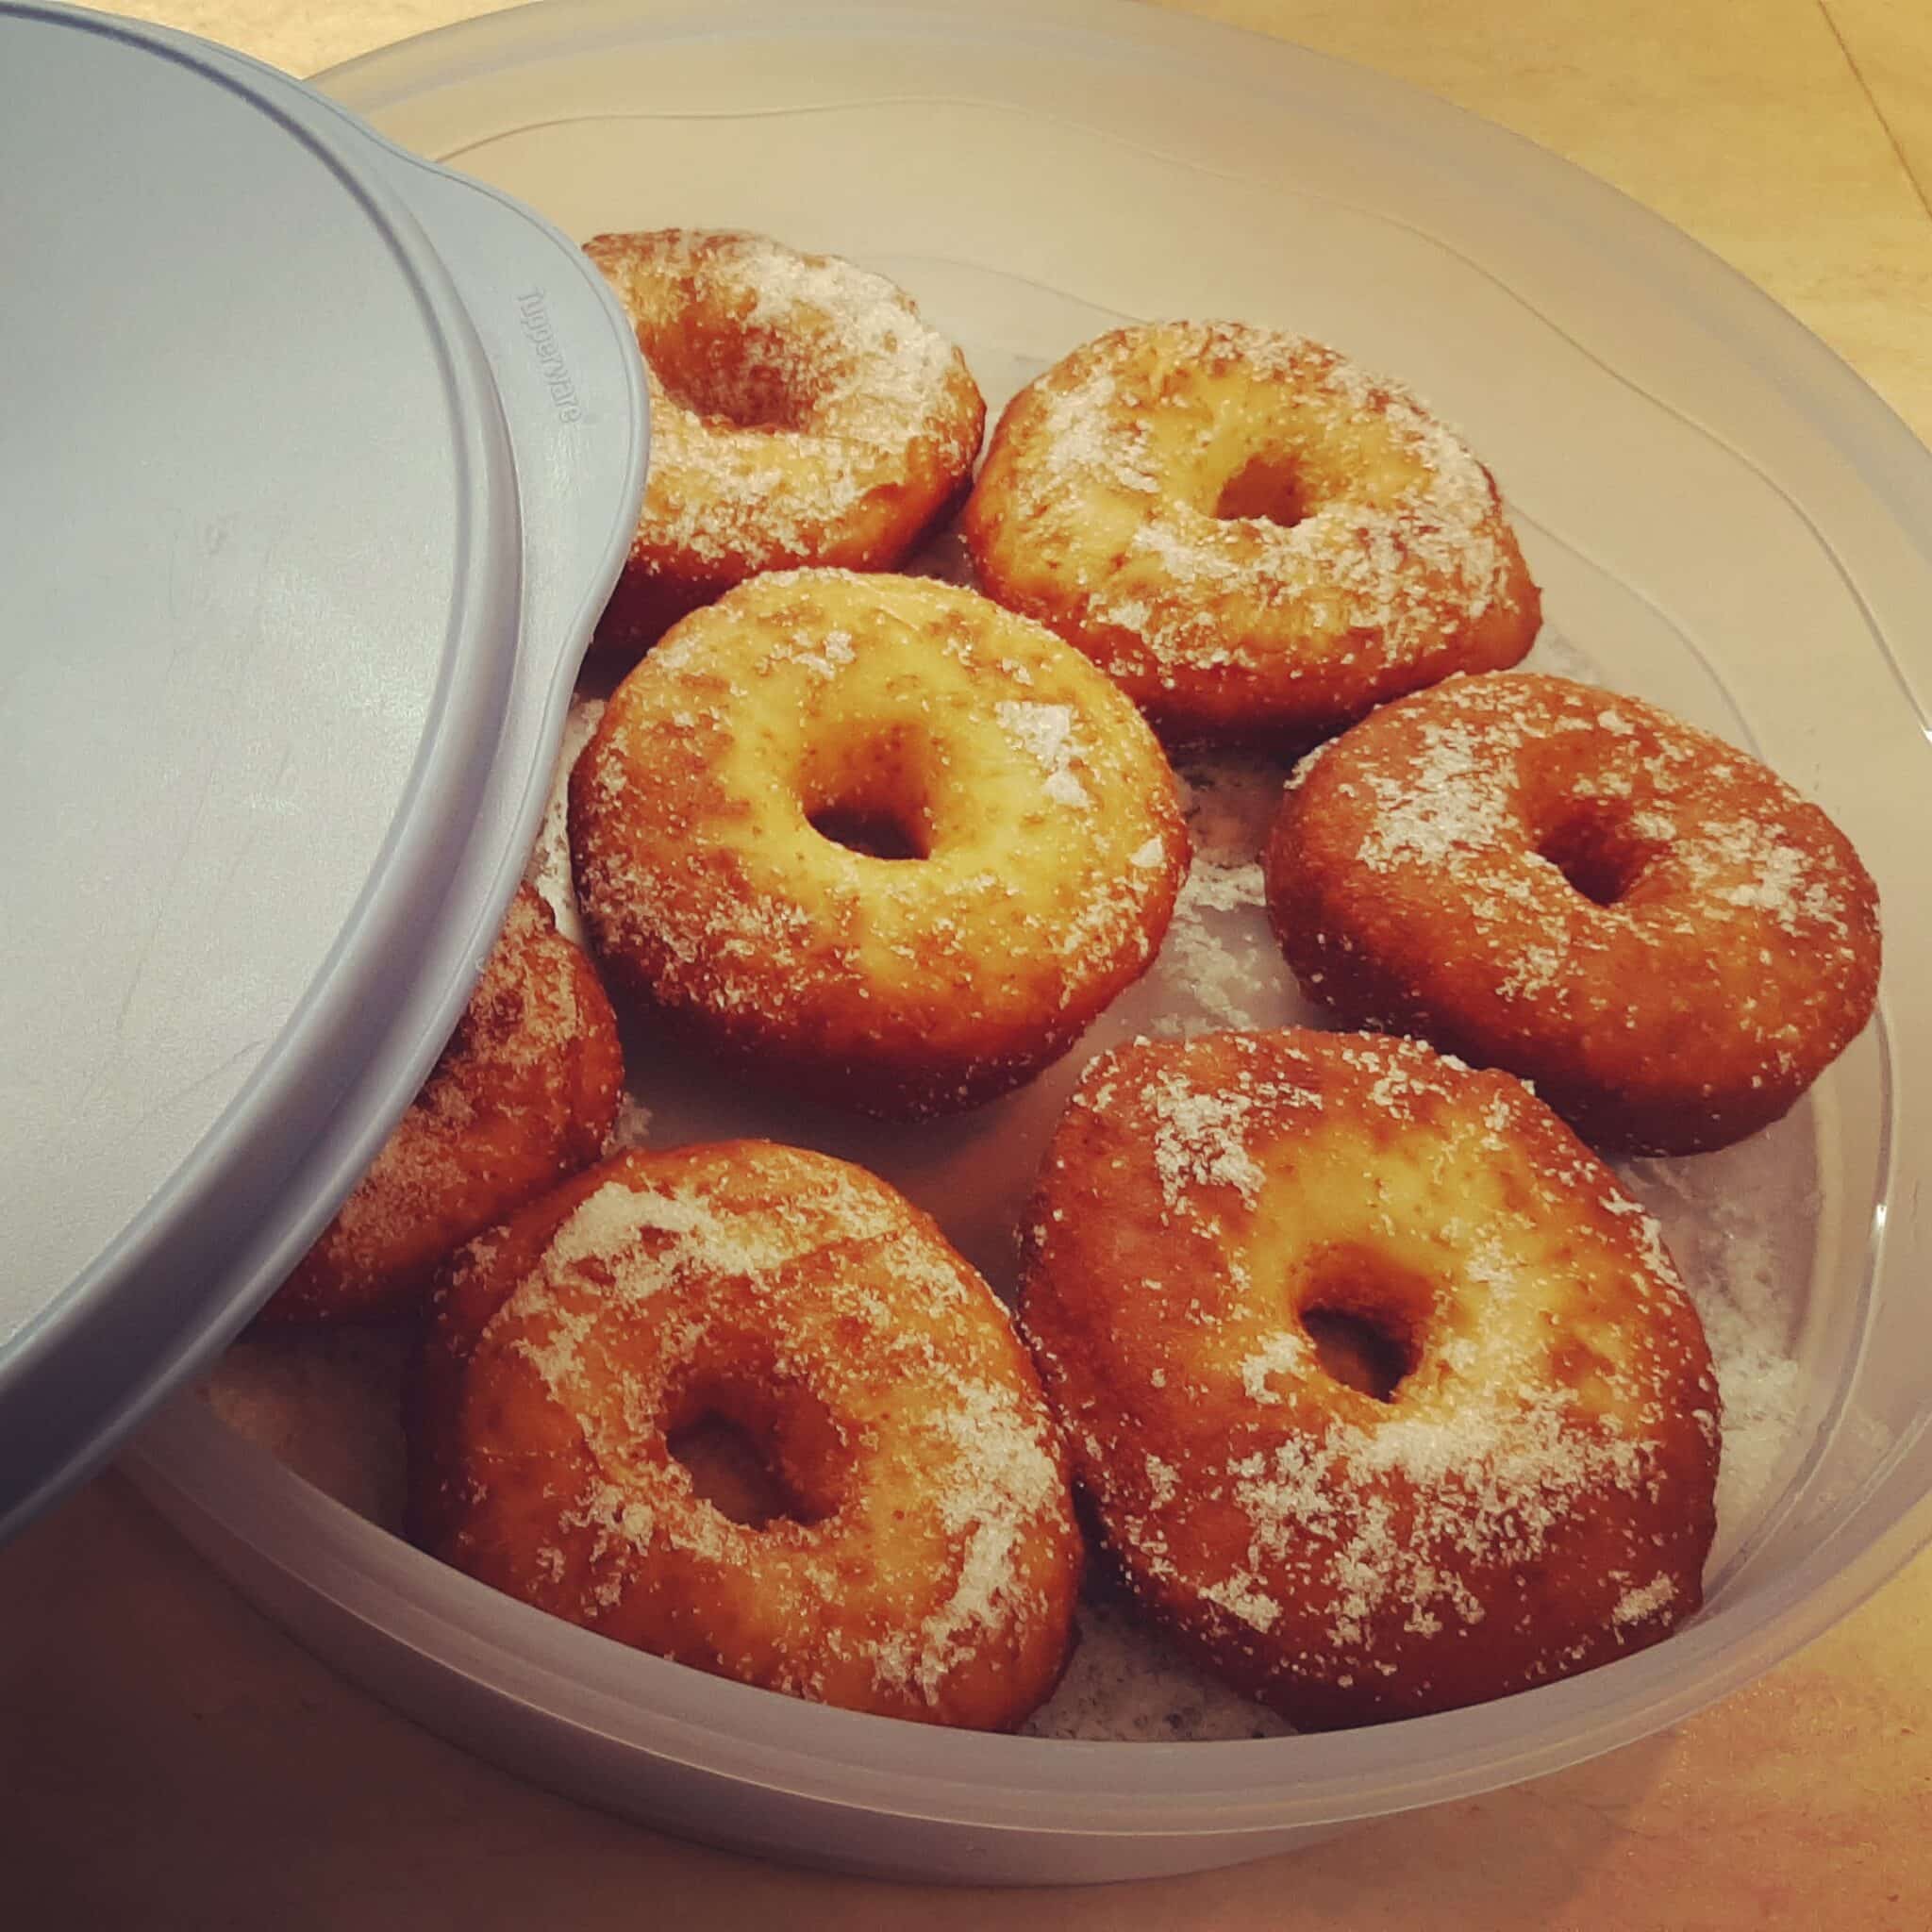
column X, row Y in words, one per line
column 522, row 1095
column 801, row 413
column 922, row 1559
column 1256, row 538
column 1648, row 925
column 1387, row 1396
column 874, row 839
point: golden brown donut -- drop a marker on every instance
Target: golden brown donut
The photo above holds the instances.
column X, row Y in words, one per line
column 1254, row 537
column 523, row 1095
column 1540, row 875
column 874, row 839
column 1387, row 1396
column 801, row 413
column 921, row 1559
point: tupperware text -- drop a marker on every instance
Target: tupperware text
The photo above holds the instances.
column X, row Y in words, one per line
column 556, row 372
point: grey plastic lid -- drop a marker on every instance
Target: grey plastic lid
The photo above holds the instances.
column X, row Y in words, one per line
column 316, row 466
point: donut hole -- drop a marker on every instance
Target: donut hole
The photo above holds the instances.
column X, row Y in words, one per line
column 1269, row 487
column 1360, row 1350
column 1364, row 1315
column 867, row 829
column 752, row 1458
column 874, row 799
column 730, row 378
column 1597, row 852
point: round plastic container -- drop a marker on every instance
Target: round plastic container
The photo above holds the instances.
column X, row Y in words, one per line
column 1721, row 515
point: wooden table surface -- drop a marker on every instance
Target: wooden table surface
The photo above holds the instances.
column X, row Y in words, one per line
column 168, row 1759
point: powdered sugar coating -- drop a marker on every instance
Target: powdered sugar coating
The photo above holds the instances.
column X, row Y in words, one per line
column 928, row 1562
column 1046, row 840
column 1536, row 1495
column 802, row 412
column 1250, row 533
column 1649, row 925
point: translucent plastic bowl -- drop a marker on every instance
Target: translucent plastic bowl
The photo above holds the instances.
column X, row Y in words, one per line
column 1719, row 511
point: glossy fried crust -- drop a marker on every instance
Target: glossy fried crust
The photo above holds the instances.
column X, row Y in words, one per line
column 926, row 1563
column 1536, row 1495
column 522, row 1095
column 801, row 413
column 711, row 818
column 1536, row 874
column 1254, row 538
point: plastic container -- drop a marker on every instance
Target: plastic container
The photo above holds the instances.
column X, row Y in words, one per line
column 1720, row 513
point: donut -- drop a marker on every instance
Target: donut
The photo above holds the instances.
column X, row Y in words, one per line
column 801, row 413
column 522, row 1095
column 913, row 1553
column 1254, row 538
column 873, row 840
column 1648, row 925
column 1386, row 1396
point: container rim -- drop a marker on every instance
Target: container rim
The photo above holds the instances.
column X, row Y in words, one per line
column 674, row 1715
